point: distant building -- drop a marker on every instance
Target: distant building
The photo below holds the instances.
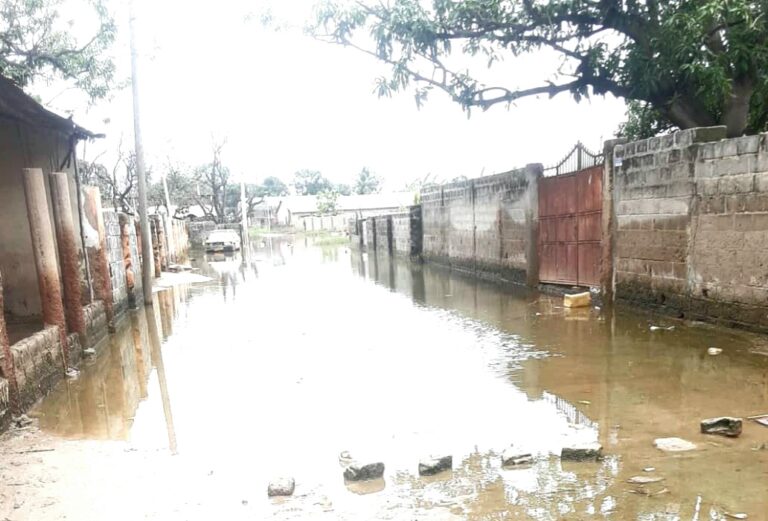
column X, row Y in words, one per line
column 301, row 212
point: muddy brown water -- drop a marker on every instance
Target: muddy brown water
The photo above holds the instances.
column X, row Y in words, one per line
column 277, row 365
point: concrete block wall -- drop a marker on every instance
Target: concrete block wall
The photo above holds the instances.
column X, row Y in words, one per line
column 116, row 261
column 487, row 225
column 407, row 232
column 38, row 364
column 370, row 234
column 383, row 230
column 692, row 225
column 95, row 322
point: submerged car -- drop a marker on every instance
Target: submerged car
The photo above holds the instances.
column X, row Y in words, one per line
column 222, row 240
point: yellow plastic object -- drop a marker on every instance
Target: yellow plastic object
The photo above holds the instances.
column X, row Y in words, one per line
column 578, row 300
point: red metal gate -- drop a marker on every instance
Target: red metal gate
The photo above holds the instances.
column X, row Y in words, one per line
column 570, row 222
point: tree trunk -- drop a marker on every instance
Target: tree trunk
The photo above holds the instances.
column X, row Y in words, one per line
column 686, row 113
column 736, row 109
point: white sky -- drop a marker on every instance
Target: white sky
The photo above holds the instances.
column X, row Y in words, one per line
column 285, row 102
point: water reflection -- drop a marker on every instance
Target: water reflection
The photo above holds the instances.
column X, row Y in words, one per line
column 316, row 350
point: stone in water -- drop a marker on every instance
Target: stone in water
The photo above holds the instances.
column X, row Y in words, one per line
column 724, row 426
column 357, row 472
column 281, row 487
column 432, row 466
column 512, row 457
column 584, row 452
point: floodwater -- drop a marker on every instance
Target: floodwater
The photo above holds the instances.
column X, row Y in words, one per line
column 279, row 364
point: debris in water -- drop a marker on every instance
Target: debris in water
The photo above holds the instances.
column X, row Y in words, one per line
column 585, row 402
column 89, row 351
column 578, row 300
column 649, row 469
column 281, row 487
column 762, row 419
column 72, row 373
column 739, row 515
column 513, row 458
column 673, row 444
column 644, row 480
column 724, row 426
column 587, row 451
column 714, row 351
column 661, row 328
column 435, row 465
column 357, row 472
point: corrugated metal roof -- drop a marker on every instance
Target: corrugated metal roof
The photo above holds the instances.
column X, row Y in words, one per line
column 18, row 106
column 345, row 203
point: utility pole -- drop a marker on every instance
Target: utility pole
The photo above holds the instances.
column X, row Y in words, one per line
column 146, row 239
column 244, row 215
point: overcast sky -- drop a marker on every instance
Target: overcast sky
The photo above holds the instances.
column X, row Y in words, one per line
column 285, row 102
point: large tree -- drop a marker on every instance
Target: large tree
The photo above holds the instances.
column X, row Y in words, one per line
column 310, row 182
column 37, row 41
column 367, row 182
column 681, row 63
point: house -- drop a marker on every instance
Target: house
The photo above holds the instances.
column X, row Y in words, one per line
column 301, row 211
column 65, row 265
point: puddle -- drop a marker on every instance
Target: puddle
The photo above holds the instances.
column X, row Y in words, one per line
column 278, row 365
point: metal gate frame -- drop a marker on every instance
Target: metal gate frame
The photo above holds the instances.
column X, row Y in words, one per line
column 570, row 220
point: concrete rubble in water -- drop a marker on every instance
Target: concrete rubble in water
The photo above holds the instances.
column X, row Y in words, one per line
column 582, row 452
column 281, row 487
column 435, row 465
column 724, row 426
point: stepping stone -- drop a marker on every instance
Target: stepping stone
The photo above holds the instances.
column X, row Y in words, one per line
column 432, row 466
column 281, row 487
column 583, row 452
column 513, row 458
column 724, row 426
column 356, row 472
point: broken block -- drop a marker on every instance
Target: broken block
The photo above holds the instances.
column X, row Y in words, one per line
column 357, row 472
column 578, row 300
column 512, row 458
column 582, row 452
column 432, row 466
column 724, row 426
column 281, row 487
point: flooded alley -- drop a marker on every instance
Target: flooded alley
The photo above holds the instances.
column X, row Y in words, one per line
column 278, row 364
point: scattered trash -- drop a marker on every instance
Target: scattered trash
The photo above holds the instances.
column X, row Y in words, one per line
column 89, row 351
column 661, row 328
column 739, row 515
column 644, row 480
column 72, row 373
column 585, row 452
column 513, row 458
column 714, row 351
column 649, row 469
column 281, row 487
column 585, row 402
column 357, row 472
column 673, row 444
column 724, row 426
column 435, row 465
column 578, row 300
column 762, row 419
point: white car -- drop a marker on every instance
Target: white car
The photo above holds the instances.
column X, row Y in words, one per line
column 222, row 240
